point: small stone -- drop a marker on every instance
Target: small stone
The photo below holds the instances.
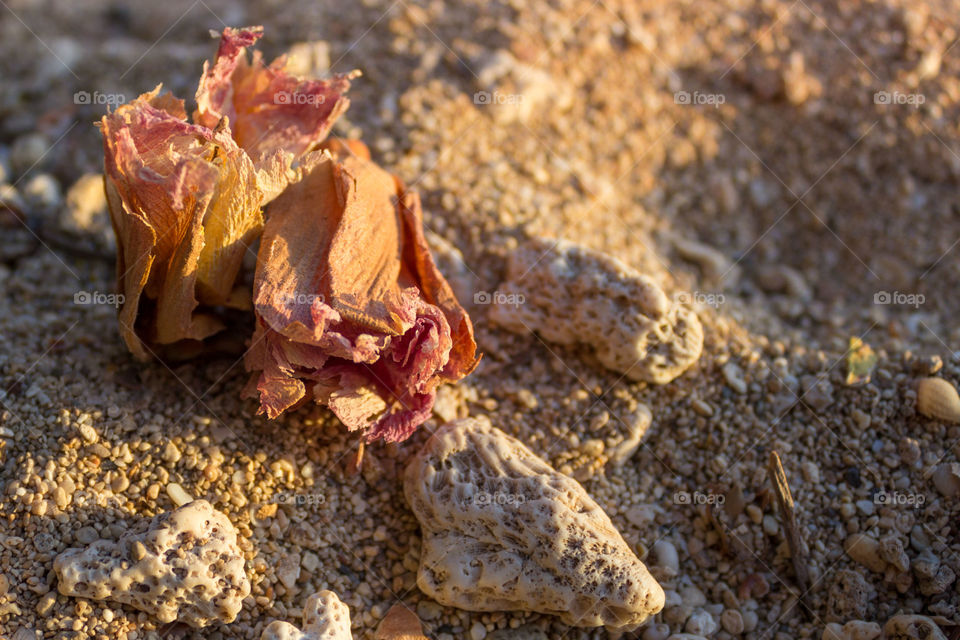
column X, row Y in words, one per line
column 912, row 627
column 171, row 453
column 46, row 603
column 833, row 631
column 909, row 449
column 865, row 507
column 44, row 542
column 734, row 377
column 178, row 494
column 770, row 525
column 946, row 478
column 865, row 550
column 860, row 630
column 428, row 610
column 732, row 622
column 700, row 623
column 478, row 631
column 28, row 151
column 88, row 433
column 120, row 483
column 86, row 535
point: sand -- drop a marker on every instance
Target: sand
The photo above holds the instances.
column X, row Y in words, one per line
column 736, row 151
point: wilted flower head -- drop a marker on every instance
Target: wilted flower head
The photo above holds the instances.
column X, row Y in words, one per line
column 350, row 308
column 185, row 198
column 185, row 206
column 352, row 311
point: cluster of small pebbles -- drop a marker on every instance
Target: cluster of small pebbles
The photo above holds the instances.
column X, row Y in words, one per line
column 796, row 213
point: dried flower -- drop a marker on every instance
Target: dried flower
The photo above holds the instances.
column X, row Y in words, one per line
column 353, row 312
column 185, row 199
column 185, row 206
column 274, row 116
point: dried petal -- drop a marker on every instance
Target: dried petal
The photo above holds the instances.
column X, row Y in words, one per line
column 354, row 310
column 275, row 116
column 185, row 206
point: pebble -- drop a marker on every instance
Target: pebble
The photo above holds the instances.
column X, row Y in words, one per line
column 27, row 152
column 770, row 525
column 478, row 631
column 46, row 603
column 88, row 433
column 43, row 190
column 909, row 449
column 428, row 610
column 701, row 623
column 178, row 494
column 86, row 535
column 657, row 631
column 860, row 630
column 171, row 453
column 665, row 556
column 833, row 631
column 734, row 377
column 865, row 550
column 946, row 478
column 732, row 622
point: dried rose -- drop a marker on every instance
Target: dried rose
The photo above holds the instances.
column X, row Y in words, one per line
column 185, row 206
column 274, row 116
column 351, row 309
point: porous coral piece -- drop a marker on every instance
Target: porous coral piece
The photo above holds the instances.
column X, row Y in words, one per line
column 325, row 617
column 186, row 567
column 503, row 531
column 184, row 206
column 912, row 627
column 570, row 294
column 355, row 313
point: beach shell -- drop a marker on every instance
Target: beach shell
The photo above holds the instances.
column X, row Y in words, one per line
column 937, row 398
column 400, row 624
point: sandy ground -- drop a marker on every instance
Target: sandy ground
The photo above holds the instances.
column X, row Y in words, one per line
column 793, row 165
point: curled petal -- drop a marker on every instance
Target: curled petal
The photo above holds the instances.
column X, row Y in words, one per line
column 184, row 206
column 275, row 116
column 344, row 273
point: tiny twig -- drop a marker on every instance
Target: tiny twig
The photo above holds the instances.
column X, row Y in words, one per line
column 794, row 537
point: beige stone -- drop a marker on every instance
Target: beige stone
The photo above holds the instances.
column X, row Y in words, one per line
column 569, row 294
column 502, row 530
column 185, row 567
column 325, row 617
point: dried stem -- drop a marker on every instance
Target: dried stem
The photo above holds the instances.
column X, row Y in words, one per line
column 794, row 537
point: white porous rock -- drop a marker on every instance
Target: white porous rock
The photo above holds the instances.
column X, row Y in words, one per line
column 912, row 627
column 325, row 617
column 573, row 295
column 185, row 567
column 504, row 531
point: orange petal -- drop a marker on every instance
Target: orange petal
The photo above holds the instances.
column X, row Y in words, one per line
column 400, row 623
